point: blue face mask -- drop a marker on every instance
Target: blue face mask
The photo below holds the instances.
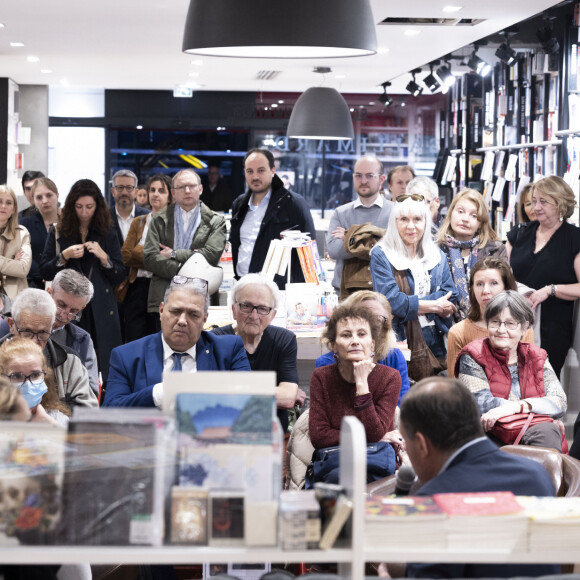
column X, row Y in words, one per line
column 32, row 393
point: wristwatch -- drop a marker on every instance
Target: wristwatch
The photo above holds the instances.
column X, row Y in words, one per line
column 172, row 254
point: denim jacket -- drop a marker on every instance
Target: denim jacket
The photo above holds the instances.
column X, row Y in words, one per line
column 406, row 307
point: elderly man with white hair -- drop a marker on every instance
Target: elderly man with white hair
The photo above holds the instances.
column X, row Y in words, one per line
column 269, row 348
column 430, row 192
column 33, row 316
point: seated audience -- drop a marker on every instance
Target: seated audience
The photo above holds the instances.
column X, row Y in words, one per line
column 508, row 376
column 45, row 196
column 447, row 447
column 268, row 347
column 16, row 253
column 489, row 277
column 13, row 406
column 135, row 378
column 33, row 315
column 24, row 365
column 391, row 356
column 410, row 270
column 355, row 385
column 466, row 237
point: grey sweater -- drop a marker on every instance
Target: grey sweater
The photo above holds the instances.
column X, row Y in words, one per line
column 346, row 216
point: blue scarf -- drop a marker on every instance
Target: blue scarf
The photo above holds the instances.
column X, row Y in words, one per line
column 459, row 273
column 182, row 240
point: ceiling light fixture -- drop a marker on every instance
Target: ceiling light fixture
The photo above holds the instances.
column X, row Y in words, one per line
column 32, row 58
column 412, row 32
column 214, row 27
column 384, row 98
column 506, row 53
column 16, row 44
column 46, row 71
column 431, row 81
column 445, row 74
column 478, row 65
column 414, row 88
column 451, row 9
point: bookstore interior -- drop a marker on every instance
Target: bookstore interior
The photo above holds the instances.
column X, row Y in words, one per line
column 202, row 482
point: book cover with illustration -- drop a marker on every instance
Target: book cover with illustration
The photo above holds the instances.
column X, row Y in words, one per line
column 31, row 474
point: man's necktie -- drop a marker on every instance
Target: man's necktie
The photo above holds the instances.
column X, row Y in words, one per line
column 177, row 356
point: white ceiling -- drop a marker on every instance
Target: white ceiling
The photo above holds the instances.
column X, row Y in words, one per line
column 136, row 44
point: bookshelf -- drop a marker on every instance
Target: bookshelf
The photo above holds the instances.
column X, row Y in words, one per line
column 351, row 560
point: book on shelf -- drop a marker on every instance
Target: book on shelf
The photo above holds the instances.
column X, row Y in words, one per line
column 31, row 482
column 401, row 521
column 335, row 524
column 300, row 527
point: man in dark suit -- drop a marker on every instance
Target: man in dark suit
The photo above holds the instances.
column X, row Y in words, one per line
column 135, row 374
column 125, row 210
column 260, row 215
column 440, row 423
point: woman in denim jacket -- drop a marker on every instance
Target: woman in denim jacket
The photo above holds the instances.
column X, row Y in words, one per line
column 408, row 247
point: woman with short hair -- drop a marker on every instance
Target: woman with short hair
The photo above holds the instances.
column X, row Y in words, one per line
column 508, row 376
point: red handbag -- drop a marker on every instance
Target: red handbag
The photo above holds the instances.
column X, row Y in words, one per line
column 511, row 429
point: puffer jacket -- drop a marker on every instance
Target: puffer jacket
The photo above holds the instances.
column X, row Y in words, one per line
column 298, row 454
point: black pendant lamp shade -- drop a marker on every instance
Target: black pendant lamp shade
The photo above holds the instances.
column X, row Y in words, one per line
column 274, row 29
column 320, row 113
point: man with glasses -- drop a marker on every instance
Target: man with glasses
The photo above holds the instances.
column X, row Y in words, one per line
column 33, row 317
column 370, row 207
column 262, row 214
column 177, row 231
column 135, row 374
column 269, row 348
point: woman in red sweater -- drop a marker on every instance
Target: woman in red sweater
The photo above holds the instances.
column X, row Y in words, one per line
column 355, row 384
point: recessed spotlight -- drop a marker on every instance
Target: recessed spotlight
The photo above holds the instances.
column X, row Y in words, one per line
column 193, row 74
column 1, row 25
column 46, row 71
column 274, row 105
column 450, row 9
column 220, row 128
column 32, row 58
column 383, row 50
column 339, row 76
column 371, row 103
column 352, row 110
column 139, row 127
column 16, row 44
column 281, row 102
column 197, row 62
column 412, row 32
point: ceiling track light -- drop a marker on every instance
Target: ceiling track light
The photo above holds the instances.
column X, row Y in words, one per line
column 478, row 65
column 431, row 81
column 548, row 40
column 506, row 54
column 414, row 88
column 384, row 98
column 445, row 74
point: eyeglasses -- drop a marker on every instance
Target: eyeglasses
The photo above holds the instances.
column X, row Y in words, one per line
column 70, row 316
column 413, row 196
column 509, row 324
column 249, row 308
column 190, row 186
column 121, row 188
column 195, row 282
column 367, row 176
column 43, row 335
column 35, row 377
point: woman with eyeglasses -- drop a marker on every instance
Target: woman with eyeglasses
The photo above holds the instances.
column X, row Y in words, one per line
column 137, row 291
column 85, row 240
column 15, row 250
column 466, row 237
column 23, row 364
column 508, row 376
column 410, row 270
column 45, row 198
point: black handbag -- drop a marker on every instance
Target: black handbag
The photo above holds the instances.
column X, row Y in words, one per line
column 325, row 464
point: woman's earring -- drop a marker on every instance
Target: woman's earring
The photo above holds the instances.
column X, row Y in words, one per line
column 336, row 357
column 372, row 354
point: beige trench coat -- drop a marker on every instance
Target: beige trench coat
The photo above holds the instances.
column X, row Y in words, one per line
column 13, row 271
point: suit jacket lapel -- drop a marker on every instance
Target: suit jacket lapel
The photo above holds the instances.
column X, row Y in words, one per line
column 154, row 359
column 204, row 355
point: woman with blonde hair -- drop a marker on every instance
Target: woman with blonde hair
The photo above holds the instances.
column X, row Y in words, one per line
column 467, row 237
column 388, row 355
column 15, row 251
column 23, row 364
column 45, row 198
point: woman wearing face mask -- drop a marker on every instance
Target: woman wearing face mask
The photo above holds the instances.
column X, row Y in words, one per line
column 23, row 364
column 466, row 237
column 489, row 277
column 158, row 188
column 45, row 198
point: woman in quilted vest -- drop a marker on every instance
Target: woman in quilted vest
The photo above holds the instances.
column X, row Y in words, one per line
column 509, row 377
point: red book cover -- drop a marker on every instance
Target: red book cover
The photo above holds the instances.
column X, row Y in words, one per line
column 478, row 504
